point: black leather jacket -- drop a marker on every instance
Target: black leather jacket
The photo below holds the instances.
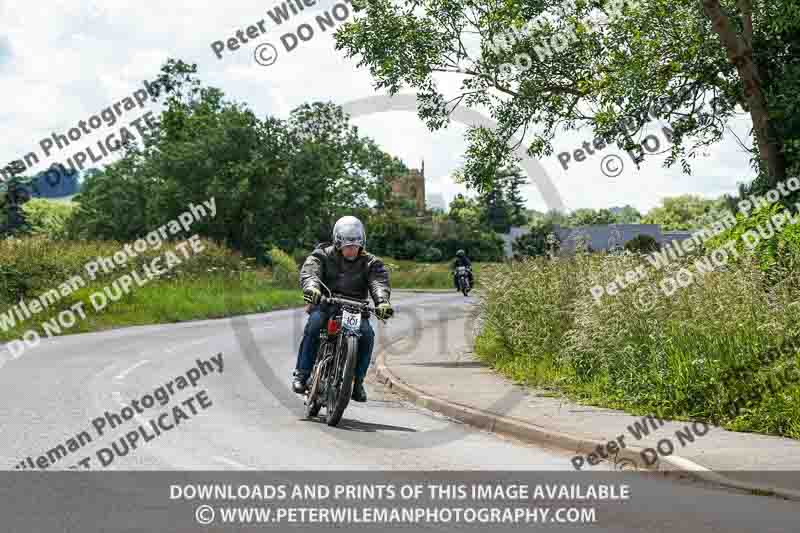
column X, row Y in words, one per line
column 462, row 261
column 364, row 276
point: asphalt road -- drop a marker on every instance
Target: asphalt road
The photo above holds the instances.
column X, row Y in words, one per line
column 52, row 393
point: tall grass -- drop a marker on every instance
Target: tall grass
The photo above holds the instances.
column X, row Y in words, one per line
column 213, row 283
column 405, row 274
column 32, row 265
column 641, row 350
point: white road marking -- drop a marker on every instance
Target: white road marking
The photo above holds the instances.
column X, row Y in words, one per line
column 108, row 367
column 231, row 462
column 122, row 375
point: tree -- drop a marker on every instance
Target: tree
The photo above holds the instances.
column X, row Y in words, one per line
column 495, row 211
column 627, row 215
column 501, row 201
column 685, row 212
column 552, row 217
column 536, row 243
column 589, row 217
column 15, row 192
column 513, row 179
column 464, row 210
column 553, row 64
column 275, row 182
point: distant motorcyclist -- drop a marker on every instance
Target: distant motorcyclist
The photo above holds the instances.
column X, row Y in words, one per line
column 462, row 260
column 347, row 269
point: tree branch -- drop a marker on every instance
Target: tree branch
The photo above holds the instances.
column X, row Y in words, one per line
column 746, row 7
column 770, row 147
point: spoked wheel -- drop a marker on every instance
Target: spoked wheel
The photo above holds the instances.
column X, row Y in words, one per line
column 338, row 397
column 465, row 287
column 313, row 404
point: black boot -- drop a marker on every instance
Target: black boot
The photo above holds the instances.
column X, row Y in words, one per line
column 359, row 394
column 299, row 382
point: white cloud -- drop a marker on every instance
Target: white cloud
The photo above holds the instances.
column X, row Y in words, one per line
column 85, row 55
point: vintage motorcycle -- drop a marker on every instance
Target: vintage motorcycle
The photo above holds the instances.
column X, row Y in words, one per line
column 331, row 381
column 462, row 278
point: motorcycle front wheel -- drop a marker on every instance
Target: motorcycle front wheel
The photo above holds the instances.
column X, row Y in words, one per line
column 338, row 400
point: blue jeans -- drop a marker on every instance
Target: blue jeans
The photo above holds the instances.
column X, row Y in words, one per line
column 307, row 354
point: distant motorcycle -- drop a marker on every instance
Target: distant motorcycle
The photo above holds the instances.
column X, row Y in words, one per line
column 462, row 278
column 331, row 381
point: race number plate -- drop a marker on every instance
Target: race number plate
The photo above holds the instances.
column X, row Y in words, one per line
column 351, row 321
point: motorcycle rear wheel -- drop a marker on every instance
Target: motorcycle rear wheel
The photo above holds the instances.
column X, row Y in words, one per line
column 313, row 405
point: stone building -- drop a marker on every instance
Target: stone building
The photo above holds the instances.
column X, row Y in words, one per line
column 410, row 187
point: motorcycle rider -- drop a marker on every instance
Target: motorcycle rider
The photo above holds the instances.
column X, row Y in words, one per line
column 462, row 260
column 345, row 268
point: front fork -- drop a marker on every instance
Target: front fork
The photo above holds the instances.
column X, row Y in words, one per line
column 325, row 342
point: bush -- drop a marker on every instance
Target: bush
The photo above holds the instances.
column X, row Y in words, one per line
column 300, row 256
column 431, row 255
column 534, row 244
column 412, row 250
column 284, row 269
column 776, row 255
column 35, row 264
column 643, row 244
column 483, row 247
column 48, row 217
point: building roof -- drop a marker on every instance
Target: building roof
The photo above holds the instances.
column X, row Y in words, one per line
column 600, row 236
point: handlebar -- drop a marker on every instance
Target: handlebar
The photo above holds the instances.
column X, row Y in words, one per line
column 360, row 304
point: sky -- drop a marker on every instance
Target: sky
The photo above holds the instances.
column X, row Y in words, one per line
column 62, row 61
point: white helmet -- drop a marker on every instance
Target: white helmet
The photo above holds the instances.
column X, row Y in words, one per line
column 348, row 231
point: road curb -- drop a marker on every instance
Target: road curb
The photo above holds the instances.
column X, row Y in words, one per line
column 672, row 466
column 432, row 291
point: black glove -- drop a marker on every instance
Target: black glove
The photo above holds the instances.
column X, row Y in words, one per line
column 384, row 310
column 312, row 295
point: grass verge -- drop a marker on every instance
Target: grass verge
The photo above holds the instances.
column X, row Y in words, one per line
column 166, row 301
column 412, row 275
column 719, row 349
